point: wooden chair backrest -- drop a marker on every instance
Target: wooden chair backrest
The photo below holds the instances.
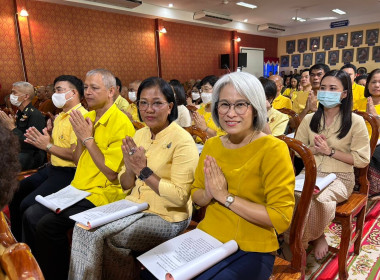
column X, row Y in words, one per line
column 191, row 108
column 6, row 237
column 137, row 125
column 294, row 120
column 297, row 226
column 361, row 173
column 18, row 263
column 195, row 131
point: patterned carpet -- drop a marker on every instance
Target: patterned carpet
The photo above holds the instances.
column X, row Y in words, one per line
column 364, row 266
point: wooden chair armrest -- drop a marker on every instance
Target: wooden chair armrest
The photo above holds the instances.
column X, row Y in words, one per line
column 352, row 206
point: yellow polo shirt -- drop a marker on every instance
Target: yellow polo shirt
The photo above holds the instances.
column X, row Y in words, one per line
column 173, row 157
column 132, row 109
column 282, row 102
column 299, row 102
column 357, row 92
column 122, row 103
column 64, row 136
column 109, row 131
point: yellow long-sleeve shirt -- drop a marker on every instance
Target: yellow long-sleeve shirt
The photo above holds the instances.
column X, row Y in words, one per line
column 260, row 172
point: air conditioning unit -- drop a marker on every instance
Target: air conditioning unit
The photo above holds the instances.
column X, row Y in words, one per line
column 212, row 17
column 130, row 4
column 272, row 28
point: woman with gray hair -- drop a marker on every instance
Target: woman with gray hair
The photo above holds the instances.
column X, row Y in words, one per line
column 245, row 179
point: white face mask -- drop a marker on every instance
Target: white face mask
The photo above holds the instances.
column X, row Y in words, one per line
column 14, row 100
column 195, row 95
column 206, row 97
column 132, row 96
column 59, row 99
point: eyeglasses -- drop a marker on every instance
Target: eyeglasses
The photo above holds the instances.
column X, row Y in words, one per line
column 156, row 105
column 240, row 107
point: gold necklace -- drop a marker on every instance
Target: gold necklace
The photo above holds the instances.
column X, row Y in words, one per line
column 250, row 140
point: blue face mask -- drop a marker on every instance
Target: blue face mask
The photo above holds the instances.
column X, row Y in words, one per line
column 329, row 99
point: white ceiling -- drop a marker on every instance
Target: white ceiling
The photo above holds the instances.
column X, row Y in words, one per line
column 268, row 11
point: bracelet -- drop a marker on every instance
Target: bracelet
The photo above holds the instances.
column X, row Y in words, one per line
column 86, row 139
column 206, row 129
column 48, row 147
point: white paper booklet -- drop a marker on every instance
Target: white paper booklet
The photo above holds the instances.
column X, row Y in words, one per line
column 62, row 199
column 186, row 255
column 320, row 183
column 102, row 215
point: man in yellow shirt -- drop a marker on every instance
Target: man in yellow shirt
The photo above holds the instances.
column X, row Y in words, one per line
column 61, row 144
column 280, row 101
column 317, row 71
column 99, row 160
column 120, row 101
column 300, row 99
column 357, row 90
column 132, row 112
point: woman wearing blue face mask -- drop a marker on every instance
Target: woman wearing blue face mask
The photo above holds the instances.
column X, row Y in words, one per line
column 339, row 141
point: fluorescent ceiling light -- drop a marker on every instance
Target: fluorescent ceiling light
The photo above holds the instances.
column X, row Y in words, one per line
column 170, row 5
column 246, row 20
column 299, row 19
column 339, row 11
column 325, row 18
column 247, row 5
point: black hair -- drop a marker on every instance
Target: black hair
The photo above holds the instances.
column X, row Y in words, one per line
column 349, row 65
column 366, row 90
column 319, row 66
column 74, row 81
column 179, row 91
column 297, row 78
column 361, row 77
column 118, row 84
column 166, row 90
column 345, row 106
column 304, row 70
column 270, row 88
column 209, row 79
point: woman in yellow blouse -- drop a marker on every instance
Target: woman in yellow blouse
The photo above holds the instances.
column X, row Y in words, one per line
column 160, row 162
column 371, row 105
column 245, row 179
column 339, row 141
column 294, row 83
column 202, row 118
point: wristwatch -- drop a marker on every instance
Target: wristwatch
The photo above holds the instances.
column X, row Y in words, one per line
column 49, row 146
column 332, row 152
column 145, row 173
column 229, row 200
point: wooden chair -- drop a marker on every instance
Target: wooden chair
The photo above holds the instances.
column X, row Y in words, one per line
column 355, row 206
column 18, row 263
column 294, row 119
column 137, row 125
column 195, row 131
column 16, row 259
column 191, row 108
column 295, row 269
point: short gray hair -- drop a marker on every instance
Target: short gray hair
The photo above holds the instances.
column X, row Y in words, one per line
column 248, row 86
column 107, row 77
column 26, row 88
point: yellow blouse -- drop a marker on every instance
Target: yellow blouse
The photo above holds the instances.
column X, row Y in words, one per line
column 361, row 105
column 132, row 109
column 299, row 102
column 357, row 92
column 173, row 156
column 277, row 122
column 209, row 121
column 261, row 172
column 356, row 142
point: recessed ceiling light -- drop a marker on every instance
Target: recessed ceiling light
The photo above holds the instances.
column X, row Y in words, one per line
column 299, row 19
column 339, row 11
column 170, row 5
column 325, row 18
column 247, row 5
column 246, row 20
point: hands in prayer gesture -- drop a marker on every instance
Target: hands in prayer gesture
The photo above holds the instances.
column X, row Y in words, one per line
column 371, row 107
column 215, row 183
column 7, row 120
column 83, row 128
column 321, row 145
column 199, row 121
column 36, row 138
column 134, row 157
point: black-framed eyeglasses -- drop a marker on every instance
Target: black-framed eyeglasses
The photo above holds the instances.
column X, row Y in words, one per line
column 156, row 105
column 240, row 107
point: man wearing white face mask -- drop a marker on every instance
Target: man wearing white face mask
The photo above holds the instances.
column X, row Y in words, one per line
column 61, row 144
column 27, row 116
column 120, row 101
column 132, row 97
